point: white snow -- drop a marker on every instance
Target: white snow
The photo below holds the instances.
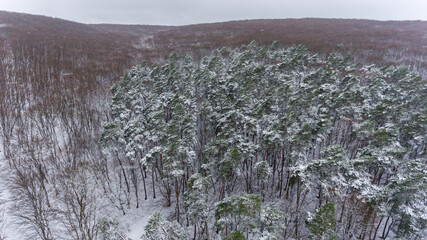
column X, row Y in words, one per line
column 136, row 220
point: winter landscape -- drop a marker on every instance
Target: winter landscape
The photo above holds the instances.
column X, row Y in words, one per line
column 308, row 128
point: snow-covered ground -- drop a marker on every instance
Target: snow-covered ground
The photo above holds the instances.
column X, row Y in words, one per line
column 136, row 220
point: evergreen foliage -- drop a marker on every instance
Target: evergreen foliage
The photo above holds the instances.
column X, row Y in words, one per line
column 257, row 124
column 322, row 224
column 108, row 229
column 238, row 212
column 235, row 235
column 159, row 229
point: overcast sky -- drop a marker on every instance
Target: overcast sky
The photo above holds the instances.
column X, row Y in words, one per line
column 180, row 12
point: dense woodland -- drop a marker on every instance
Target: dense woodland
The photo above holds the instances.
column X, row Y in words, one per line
column 271, row 142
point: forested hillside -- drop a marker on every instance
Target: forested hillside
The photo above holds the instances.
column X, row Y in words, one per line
column 271, row 143
column 266, row 140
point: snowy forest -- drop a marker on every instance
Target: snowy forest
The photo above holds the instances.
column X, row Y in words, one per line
column 136, row 132
column 270, row 143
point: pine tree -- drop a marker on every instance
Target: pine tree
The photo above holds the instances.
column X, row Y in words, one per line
column 159, row 229
column 238, row 212
column 322, row 224
column 108, row 229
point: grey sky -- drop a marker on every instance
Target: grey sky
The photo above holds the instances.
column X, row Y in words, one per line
column 179, row 12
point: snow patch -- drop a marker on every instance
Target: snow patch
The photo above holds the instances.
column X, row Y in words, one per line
column 136, row 220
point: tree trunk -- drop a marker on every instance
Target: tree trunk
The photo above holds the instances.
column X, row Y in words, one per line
column 143, row 178
column 372, row 225
column 152, row 179
column 378, row 226
column 177, row 199
column 281, row 173
column 385, row 228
